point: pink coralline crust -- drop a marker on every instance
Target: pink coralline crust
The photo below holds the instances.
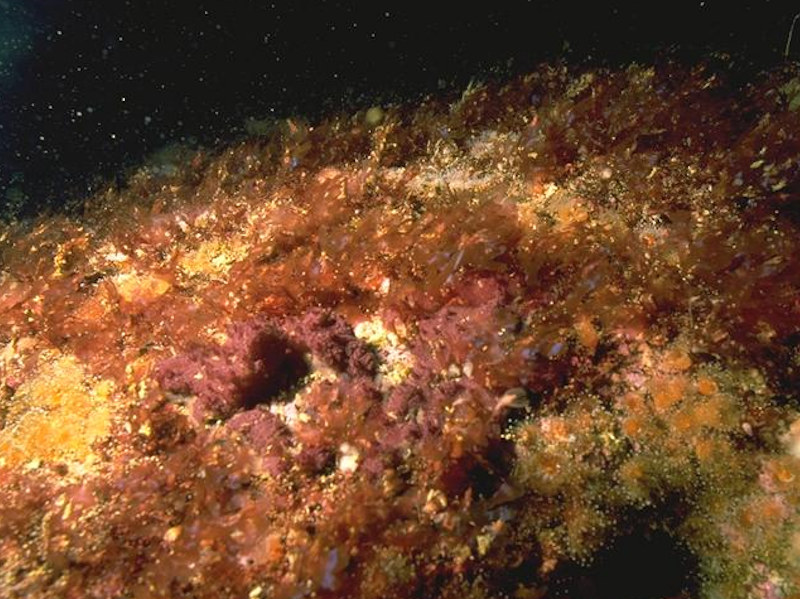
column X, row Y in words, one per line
column 330, row 338
column 254, row 364
column 265, row 434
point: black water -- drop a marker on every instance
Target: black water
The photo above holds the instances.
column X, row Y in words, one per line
column 88, row 87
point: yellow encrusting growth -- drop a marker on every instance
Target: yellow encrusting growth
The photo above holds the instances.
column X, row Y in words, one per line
column 140, row 288
column 57, row 415
column 213, row 258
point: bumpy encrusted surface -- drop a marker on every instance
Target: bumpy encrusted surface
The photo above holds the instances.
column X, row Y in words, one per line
column 540, row 340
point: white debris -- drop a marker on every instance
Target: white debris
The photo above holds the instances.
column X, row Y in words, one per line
column 348, row 458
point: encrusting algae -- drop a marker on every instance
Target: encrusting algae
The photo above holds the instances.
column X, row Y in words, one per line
column 539, row 340
column 56, row 415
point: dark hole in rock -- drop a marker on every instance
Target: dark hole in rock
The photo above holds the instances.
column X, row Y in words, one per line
column 482, row 473
column 643, row 565
column 277, row 367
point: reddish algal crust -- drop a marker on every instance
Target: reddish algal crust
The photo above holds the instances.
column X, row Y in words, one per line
column 254, row 364
column 328, row 337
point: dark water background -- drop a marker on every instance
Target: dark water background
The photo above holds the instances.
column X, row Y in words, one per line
column 89, row 87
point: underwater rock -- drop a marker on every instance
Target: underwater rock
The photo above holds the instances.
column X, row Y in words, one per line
column 542, row 340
